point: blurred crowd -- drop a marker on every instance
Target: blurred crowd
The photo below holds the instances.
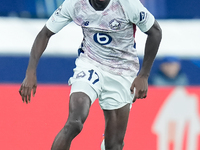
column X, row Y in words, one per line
column 169, row 73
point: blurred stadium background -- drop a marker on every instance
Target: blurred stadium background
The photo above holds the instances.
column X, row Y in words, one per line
column 169, row 119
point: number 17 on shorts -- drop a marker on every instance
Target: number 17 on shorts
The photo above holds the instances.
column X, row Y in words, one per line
column 90, row 75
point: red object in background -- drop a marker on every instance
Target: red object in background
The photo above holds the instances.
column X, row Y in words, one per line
column 34, row 126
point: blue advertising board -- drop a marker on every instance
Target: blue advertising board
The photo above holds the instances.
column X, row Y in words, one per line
column 161, row 9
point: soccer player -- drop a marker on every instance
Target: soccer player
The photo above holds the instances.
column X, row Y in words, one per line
column 107, row 67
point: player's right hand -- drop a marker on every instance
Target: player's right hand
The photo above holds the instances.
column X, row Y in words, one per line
column 29, row 84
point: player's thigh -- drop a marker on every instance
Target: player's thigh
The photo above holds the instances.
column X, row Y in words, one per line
column 116, row 123
column 79, row 106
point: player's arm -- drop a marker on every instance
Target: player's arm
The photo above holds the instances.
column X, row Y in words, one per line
column 38, row 48
column 154, row 36
column 60, row 18
column 30, row 81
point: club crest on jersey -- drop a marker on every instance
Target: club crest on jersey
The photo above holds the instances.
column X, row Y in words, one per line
column 114, row 24
column 80, row 74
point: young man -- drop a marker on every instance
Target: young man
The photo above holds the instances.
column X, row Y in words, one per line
column 107, row 66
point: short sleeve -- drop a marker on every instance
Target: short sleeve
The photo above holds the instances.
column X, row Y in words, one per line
column 60, row 18
column 138, row 14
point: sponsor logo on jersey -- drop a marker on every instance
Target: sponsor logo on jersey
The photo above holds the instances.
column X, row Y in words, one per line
column 57, row 12
column 85, row 23
column 114, row 24
column 102, row 38
column 143, row 17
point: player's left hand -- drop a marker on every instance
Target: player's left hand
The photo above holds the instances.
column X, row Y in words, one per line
column 140, row 84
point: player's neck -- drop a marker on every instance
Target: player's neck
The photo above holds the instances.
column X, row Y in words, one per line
column 99, row 4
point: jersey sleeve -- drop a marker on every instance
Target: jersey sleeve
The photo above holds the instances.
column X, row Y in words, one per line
column 138, row 14
column 60, row 18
